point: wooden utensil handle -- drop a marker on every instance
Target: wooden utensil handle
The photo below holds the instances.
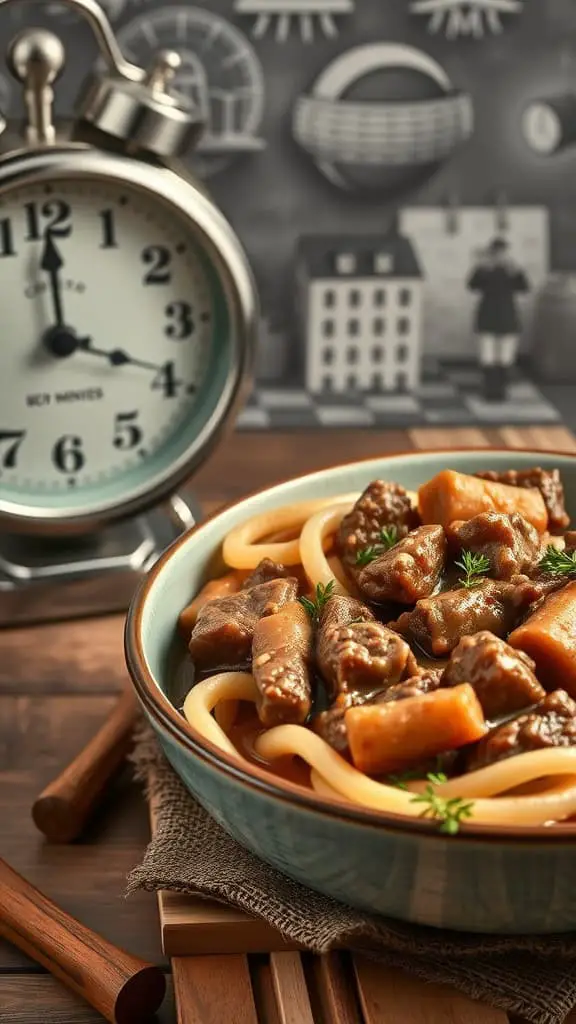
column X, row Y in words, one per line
column 62, row 809
column 123, row 988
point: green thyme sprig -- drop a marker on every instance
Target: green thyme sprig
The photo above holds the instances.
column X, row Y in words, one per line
column 388, row 538
column 449, row 812
column 322, row 595
column 474, row 566
column 559, row 563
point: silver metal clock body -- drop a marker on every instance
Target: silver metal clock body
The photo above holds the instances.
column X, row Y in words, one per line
column 206, row 231
column 111, row 393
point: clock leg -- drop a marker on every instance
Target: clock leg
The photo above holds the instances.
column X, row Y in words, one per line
column 51, row 579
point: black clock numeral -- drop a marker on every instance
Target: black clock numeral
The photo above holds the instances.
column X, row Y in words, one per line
column 54, row 212
column 158, row 258
column 166, row 381
column 6, row 238
column 182, row 324
column 108, row 230
column 67, row 454
column 127, row 433
column 13, row 440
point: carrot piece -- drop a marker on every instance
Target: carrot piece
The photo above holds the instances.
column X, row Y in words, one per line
column 549, row 637
column 450, row 495
column 221, row 587
column 389, row 737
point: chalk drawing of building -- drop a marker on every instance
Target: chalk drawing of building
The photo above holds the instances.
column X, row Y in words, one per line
column 360, row 312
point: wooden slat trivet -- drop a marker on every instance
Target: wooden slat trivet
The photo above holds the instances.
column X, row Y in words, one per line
column 219, row 980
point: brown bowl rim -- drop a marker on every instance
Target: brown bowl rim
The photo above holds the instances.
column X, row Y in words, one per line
column 160, row 708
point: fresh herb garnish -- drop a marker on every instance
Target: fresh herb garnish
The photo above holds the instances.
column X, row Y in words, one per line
column 449, row 812
column 475, row 567
column 559, row 563
column 388, row 538
column 315, row 606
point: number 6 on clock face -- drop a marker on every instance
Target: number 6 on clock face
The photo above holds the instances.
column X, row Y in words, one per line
column 118, row 343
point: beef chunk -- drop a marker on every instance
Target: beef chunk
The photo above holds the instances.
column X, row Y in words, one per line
column 503, row 678
column 438, row 623
column 381, row 505
column 408, row 571
column 331, row 726
column 424, row 682
column 281, row 656
column 222, row 636
column 357, row 657
column 265, row 571
column 551, row 724
column 509, row 542
column 547, row 481
column 363, row 657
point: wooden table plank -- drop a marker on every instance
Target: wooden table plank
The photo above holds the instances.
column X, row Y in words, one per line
column 290, row 988
column 213, row 990
column 389, row 996
column 84, row 656
column 247, row 462
column 336, row 989
column 38, row 736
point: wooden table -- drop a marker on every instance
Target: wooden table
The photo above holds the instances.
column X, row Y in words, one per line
column 58, row 681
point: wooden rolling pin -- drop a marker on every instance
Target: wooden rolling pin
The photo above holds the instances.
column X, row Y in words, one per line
column 62, row 810
column 123, row 988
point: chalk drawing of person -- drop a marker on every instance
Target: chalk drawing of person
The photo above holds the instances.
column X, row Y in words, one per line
column 498, row 280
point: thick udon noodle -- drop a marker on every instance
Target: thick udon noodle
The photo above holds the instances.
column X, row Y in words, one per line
column 546, row 778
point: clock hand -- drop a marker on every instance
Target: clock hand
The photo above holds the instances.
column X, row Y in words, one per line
column 52, row 262
column 116, row 356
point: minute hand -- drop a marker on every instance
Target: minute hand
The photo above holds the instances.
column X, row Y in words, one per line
column 52, row 262
column 116, row 356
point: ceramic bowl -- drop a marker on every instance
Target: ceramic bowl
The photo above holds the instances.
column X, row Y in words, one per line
column 487, row 879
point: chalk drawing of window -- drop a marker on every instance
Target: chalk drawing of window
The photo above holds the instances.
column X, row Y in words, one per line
column 403, row 326
column 353, row 328
column 329, row 298
column 379, row 298
column 383, row 263
column 352, row 354
column 328, row 356
column 354, row 298
column 328, row 328
column 377, row 354
column 378, row 327
column 404, row 297
column 345, row 263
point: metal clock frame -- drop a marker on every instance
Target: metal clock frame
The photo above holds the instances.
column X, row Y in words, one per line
column 177, row 190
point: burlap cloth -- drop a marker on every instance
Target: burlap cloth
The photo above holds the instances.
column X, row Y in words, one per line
column 532, row 977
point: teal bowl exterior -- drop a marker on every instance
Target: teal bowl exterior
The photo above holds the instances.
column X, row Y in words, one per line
column 484, row 879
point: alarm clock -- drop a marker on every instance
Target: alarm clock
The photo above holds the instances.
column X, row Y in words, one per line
column 128, row 313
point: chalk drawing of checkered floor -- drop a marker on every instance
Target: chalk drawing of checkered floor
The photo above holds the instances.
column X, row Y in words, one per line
column 448, row 396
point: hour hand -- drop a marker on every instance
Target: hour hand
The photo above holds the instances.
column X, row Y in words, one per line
column 115, row 356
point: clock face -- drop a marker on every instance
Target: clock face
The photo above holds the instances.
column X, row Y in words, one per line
column 542, row 129
column 107, row 315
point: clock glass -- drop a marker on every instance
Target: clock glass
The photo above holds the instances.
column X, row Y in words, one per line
column 115, row 342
